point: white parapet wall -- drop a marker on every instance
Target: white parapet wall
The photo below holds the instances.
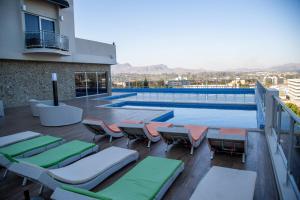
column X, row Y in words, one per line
column 1, row 109
column 285, row 184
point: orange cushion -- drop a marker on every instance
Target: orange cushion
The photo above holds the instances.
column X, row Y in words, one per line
column 151, row 127
column 233, row 131
column 196, row 131
column 132, row 121
column 114, row 128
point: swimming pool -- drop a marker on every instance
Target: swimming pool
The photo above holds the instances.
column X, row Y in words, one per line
column 185, row 97
column 210, row 117
column 214, row 107
column 209, row 114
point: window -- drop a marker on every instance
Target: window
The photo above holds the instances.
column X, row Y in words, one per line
column 90, row 83
column 102, row 83
column 80, row 84
column 32, row 23
column 39, row 31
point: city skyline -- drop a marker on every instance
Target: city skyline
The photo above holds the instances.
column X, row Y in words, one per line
column 195, row 34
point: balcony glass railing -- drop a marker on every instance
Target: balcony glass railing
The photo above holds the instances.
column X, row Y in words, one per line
column 285, row 129
column 44, row 39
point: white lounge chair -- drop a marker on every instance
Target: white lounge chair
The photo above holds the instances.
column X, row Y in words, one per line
column 226, row 184
column 188, row 134
column 143, row 131
column 53, row 158
column 85, row 173
column 17, row 137
column 148, row 180
column 99, row 127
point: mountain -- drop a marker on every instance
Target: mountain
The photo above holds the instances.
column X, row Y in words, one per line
column 164, row 69
column 290, row 67
column 150, row 69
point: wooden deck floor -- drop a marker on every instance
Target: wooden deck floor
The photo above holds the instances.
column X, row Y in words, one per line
column 196, row 166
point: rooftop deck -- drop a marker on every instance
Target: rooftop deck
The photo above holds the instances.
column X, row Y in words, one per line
column 196, row 166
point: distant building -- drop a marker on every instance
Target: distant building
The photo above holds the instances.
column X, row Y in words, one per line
column 294, row 89
column 38, row 38
column 178, row 83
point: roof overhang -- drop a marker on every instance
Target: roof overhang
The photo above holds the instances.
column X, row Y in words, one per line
column 61, row 3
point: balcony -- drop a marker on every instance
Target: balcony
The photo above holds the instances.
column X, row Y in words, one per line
column 46, row 42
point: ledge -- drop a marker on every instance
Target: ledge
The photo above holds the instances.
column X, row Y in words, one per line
column 46, row 51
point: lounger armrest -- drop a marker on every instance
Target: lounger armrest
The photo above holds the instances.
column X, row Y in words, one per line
column 125, row 125
column 177, row 130
column 26, row 169
column 61, row 194
column 4, row 161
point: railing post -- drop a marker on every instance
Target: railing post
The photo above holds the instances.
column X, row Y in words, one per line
column 278, row 127
column 291, row 146
column 270, row 109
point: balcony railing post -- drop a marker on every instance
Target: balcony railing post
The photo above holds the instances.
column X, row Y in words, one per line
column 270, row 109
column 290, row 150
column 278, row 128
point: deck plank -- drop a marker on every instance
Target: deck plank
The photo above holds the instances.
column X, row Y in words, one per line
column 196, row 166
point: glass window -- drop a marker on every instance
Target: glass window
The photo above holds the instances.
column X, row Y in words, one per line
column 102, row 82
column 80, row 84
column 32, row 29
column 32, row 23
column 91, row 83
column 48, row 31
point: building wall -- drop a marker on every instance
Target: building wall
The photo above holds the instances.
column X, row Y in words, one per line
column 24, row 80
column 294, row 89
column 12, row 36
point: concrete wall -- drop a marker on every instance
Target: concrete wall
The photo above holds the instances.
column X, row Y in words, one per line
column 12, row 37
column 24, row 80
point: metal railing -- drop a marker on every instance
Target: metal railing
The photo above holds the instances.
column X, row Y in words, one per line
column 44, row 39
column 284, row 128
column 261, row 90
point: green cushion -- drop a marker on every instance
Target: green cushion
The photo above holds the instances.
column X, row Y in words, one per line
column 84, row 192
column 144, row 181
column 28, row 145
column 58, row 154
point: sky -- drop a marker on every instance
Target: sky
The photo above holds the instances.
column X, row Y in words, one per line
column 196, row 34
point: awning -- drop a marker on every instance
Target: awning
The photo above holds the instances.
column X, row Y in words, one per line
column 61, row 3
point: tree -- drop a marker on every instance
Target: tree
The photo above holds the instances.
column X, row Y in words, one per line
column 146, row 83
column 294, row 108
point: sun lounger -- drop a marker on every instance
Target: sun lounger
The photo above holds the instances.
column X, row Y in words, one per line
column 188, row 134
column 27, row 148
column 17, row 137
column 150, row 179
column 228, row 140
column 99, row 127
column 226, row 184
column 90, row 171
column 143, row 131
column 59, row 156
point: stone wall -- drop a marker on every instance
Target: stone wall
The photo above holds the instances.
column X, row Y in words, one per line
column 24, row 80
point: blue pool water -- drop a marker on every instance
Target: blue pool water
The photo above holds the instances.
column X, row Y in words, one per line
column 190, row 97
column 210, row 117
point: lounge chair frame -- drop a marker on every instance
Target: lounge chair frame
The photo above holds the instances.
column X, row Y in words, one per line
column 228, row 143
column 32, row 172
column 98, row 127
column 172, row 135
column 137, row 131
column 61, row 194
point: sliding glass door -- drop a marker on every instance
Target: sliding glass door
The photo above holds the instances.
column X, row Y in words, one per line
column 80, row 84
column 90, row 83
column 91, row 78
column 102, row 83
